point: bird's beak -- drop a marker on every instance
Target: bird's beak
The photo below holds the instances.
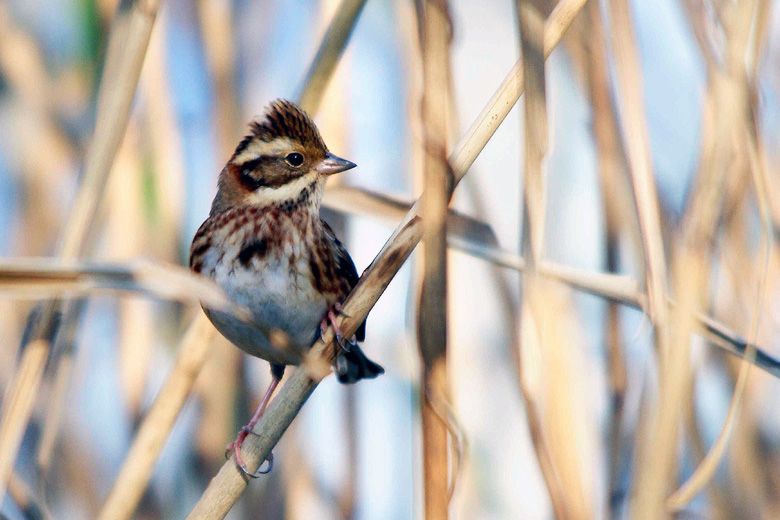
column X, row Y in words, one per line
column 332, row 164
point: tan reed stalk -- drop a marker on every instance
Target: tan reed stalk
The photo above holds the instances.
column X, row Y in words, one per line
column 215, row 21
column 435, row 30
column 691, row 267
column 157, row 424
column 127, row 237
column 328, row 54
column 631, row 102
column 461, row 229
column 128, row 40
column 31, row 506
column 617, row 212
column 65, row 345
column 44, row 278
column 533, row 202
column 147, row 445
column 226, row 487
column 53, row 278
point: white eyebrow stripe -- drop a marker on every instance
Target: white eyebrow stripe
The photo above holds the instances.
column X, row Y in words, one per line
column 278, row 147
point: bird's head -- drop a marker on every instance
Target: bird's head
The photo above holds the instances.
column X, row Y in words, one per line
column 283, row 160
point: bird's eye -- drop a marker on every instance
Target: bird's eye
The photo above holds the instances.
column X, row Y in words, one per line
column 294, row 159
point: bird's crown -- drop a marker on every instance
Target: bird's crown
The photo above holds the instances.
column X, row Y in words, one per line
column 283, row 120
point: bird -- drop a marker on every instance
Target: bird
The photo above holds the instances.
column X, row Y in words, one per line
column 266, row 246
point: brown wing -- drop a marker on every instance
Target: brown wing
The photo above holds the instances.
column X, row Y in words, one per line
column 346, row 270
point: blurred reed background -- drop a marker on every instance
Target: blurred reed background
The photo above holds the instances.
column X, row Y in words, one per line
column 638, row 176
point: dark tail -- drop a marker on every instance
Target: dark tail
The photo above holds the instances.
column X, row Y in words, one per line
column 353, row 365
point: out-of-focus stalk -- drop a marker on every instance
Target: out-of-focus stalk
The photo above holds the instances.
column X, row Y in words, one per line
column 435, row 31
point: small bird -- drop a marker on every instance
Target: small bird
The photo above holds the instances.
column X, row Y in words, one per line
column 265, row 244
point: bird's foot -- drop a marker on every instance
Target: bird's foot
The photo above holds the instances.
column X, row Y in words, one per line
column 235, row 447
column 330, row 319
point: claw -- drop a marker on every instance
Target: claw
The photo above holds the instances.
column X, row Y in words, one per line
column 235, row 447
column 249, row 431
column 259, row 472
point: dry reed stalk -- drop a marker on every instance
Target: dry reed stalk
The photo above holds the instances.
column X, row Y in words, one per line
column 533, row 310
column 701, row 26
column 125, row 238
column 747, row 482
column 153, row 432
column 328, row 54
column 216, row 403
column 631, row 101
column 616, row 197
column 691, row 267
column 31, row 506
column 52, row 278
column 226, row 487
column 47, row 279
column 531, row 15
column 215, row 21
column 24, row 69
column 137, row 468
column 65, row 346
column 463, row 232
column 129, row 37
column 164, row 148
column 435, row 31
column 128, row 41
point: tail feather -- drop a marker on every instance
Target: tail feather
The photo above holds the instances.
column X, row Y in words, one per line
column 354, row 365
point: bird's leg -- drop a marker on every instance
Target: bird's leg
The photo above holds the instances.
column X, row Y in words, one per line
column 277, row 371
column 330, row 318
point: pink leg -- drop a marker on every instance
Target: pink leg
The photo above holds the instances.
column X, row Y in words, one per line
column 235, row 446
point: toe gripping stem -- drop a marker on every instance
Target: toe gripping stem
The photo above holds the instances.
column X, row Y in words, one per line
column 330, row 318
column 239, row 460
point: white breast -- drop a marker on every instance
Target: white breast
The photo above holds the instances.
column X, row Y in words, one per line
column 279, row 294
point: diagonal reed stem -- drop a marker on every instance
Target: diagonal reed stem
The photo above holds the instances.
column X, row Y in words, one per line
column 328, row 55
